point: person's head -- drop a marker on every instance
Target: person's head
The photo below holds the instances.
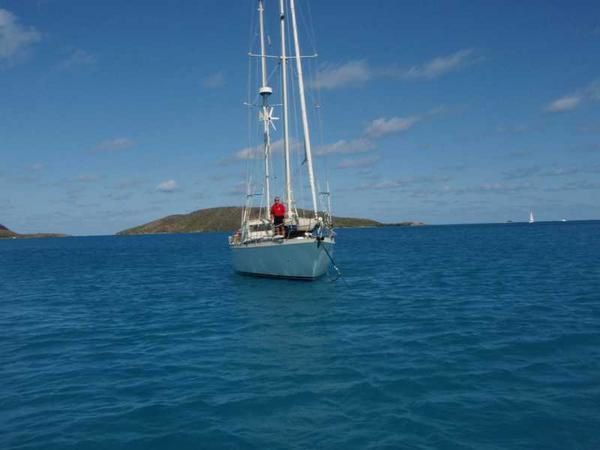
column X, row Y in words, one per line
column 276, row 199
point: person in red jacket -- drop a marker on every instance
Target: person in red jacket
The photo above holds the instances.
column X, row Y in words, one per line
column 278, row 215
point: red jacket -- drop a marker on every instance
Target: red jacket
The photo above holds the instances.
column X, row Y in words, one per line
column 278, row 210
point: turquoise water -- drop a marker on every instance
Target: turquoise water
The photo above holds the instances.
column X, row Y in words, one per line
column 461, row 337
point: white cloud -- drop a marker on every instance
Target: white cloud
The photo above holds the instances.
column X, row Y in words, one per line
column 433, row 185
column 256, row 152
column 441, row 65
column 513, row 129
column 555, row 171
column 118, row 196
column 358, row 162
column 382, row 126
column 359, row 71
column 560, row 171
column 384, row 185
column 562, row 104
column 500, row 188
column 593, row 90
column 214, row 81
column 359, row 145
column 15, row 38
column 77, row 58
column 168, row 186
column 87, row 178
column 375, row 130
column 114, row 145
column 572, row 101
column 590, row 127
column 488, row 188
column 350, row 73
column 522, row 172
column 248, row 153
column 405, row 183
column 129, row 183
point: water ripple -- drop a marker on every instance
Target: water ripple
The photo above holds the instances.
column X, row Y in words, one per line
column 462, row 337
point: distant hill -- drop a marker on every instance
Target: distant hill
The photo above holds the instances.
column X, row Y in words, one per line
column 5, row 233
column 220, row 219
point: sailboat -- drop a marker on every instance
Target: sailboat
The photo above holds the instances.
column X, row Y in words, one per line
column 304, row 248
column 531, row 219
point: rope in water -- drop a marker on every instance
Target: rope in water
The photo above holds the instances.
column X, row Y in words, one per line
column 337, row 270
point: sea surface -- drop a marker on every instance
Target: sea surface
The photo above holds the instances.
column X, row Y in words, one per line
column 458, row 337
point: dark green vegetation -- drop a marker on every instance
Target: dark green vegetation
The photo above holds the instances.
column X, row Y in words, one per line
column 5, row 233
column 225, row 219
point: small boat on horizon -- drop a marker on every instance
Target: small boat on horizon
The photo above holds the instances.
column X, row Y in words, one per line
column 531, row 218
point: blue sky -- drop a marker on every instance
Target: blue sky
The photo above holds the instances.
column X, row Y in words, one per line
column 115, row 113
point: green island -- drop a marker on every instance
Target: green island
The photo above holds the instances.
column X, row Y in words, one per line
column 228, row 219
column 5, row 233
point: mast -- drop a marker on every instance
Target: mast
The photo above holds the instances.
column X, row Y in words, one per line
column 265, row 115
column 286, row 140
column 307, row 147
column 329, row 204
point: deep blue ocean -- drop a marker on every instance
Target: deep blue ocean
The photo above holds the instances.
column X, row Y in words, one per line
column 458, row 337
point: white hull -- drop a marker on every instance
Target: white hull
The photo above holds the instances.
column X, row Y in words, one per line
column 283, row 258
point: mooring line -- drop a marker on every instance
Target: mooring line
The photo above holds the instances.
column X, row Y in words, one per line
column 339, row 273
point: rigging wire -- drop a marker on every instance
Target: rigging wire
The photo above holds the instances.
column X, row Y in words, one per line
column 248, row 163
column 297, row 152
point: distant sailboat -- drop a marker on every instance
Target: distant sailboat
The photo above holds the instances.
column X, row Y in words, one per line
column 531, row 219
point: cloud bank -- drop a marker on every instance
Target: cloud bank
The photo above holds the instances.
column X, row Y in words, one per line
column 358, row 72
column 376, row 129
column 15, row 39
